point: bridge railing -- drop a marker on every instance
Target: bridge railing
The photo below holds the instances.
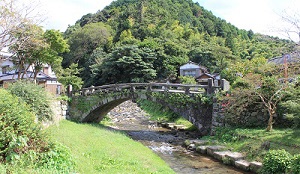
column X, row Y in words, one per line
column 154, row 87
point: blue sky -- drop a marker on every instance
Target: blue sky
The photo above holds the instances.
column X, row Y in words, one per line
column 262, row 16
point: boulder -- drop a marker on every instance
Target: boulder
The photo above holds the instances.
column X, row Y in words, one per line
column 191, row 147
column 201, row 149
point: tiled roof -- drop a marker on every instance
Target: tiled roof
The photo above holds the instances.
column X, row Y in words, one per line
column 290, row 58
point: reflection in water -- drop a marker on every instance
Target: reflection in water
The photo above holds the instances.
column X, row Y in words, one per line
column 166, row 143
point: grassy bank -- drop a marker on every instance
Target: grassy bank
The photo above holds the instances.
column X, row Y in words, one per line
column 98, row 150
column 255, row 143
column 159, row 113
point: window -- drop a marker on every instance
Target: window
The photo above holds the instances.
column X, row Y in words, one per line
column 5, row 69
column 190, row 73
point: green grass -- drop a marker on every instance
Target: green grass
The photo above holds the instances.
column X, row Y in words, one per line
column 249, row 141
column 98, row 150
column 160, row 113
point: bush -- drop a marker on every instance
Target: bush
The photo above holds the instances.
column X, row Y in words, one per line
column 276, row 161
column 18, row 132
column 295, row 166
column 35, row 96
column 24, row 148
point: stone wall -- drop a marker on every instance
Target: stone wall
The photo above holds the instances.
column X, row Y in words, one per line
column 218, row 116
column 60, row 111
column 200, row 115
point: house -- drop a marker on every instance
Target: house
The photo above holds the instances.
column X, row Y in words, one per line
column 45, row 78
column 287, row 58
column 202, row 79
column 288, row 61
column 192, row 69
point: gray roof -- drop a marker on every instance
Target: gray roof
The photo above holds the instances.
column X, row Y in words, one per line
column 190, row 65
column 290, row 58
column 13, row 76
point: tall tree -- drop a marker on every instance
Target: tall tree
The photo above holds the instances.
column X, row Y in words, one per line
column 13, row 15
column 129, row 64
column 83, row 41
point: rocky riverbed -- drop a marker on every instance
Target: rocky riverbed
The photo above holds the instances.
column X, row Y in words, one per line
column 165, row 142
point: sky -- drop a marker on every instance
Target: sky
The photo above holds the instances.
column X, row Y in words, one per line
column 261, row 16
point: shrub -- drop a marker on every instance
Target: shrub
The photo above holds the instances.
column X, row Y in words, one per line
column 295, row 166
column 35, row 96
column 18, row 132
column 23, row 146
column 276, row 161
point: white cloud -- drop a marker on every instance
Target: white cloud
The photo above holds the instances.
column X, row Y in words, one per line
column 61, row 13
column 261, row 16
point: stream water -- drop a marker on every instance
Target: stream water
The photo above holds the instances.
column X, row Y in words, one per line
column 164, row 142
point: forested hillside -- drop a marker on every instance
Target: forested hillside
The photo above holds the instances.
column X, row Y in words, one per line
column 147, row 40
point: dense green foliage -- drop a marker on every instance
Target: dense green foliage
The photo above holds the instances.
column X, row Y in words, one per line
column 159, row 36
column 24, row 147
column 187, row 80
column 280, row 161
column 18, row 131
column 276, row 161
column 106, row 151
column 35, row 96
column 290, row 105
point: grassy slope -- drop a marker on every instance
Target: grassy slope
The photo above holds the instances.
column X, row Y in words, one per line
column 250, row 141
column 98, row 150
column 159, row 113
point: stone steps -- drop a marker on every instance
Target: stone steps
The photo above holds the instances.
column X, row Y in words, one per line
column 220, row 153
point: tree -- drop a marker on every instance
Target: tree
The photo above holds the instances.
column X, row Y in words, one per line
column 29, row 42
column 129, row 64
column 269, row 90
column 36, row 47
column 70, row 77
column 12, row 17
column 83, row 41
column 292, row 25
column 262, row 85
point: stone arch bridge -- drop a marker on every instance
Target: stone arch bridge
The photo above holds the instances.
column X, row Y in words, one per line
column 93, row 103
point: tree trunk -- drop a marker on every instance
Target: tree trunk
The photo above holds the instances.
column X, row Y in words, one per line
column 270, row 122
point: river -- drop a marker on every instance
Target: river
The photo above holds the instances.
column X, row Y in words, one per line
column 166, row 143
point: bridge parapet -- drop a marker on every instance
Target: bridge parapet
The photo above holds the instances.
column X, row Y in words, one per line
column 153, row 87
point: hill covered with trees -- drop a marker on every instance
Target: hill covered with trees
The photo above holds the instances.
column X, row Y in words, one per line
column 140, row 41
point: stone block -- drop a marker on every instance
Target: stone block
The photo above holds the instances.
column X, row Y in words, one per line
column 212, row 149
column 255, row 166
column 234, row 156
column 199, row 142
column 242, row 164
column 220, row 155
column 201, row 149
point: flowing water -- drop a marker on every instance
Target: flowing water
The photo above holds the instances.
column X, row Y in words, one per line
column 164, row 142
